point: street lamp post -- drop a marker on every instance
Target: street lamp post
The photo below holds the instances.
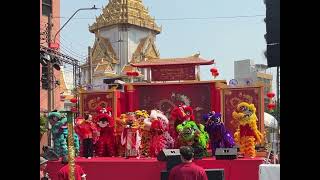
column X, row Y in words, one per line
column 55, row 45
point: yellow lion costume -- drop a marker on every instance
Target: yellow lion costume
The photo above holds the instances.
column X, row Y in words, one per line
column 247, row 134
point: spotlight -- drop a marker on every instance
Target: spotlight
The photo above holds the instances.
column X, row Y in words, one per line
column 44, row 58
column 56, row 63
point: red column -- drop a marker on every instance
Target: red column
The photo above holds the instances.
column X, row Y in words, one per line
column 130, row 97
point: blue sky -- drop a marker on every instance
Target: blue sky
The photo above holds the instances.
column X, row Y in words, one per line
column 222, row 39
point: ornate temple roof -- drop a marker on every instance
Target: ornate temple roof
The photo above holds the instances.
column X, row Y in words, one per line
column 192, row 60
column 125, row 12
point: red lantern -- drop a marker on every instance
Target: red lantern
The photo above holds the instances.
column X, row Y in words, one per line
column 271, row 106
column 74, row 100
column 213, row 70
column 135, row 74
column 132, row 73
column 270, row 95
column 74, row 109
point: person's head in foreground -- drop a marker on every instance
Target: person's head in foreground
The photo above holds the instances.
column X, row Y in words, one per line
column 186, row 153
column 78, row 170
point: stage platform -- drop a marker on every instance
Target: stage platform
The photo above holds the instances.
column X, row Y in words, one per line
column 118, row 168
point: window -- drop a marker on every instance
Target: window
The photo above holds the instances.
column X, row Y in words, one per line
column 46, row 7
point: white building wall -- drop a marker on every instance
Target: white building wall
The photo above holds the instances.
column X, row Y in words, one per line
column 124, row 49
column 135, row 34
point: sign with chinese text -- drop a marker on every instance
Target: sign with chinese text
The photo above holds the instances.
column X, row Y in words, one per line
column 173, row 73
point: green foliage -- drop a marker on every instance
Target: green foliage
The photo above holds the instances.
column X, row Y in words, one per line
column 43, row 124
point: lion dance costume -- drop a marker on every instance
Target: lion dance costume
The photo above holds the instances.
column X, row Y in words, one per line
column 158, row 124
column 247, row 134
column 60, row 134
column 191, row 134
column 131, row 137
column 105, row 145
column 220, row 137
column 178, row 115
column 141, row 116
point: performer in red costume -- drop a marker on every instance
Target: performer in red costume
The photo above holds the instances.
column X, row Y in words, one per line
column 178, row 115
column 88, row 134
column 105, row 145
column 161, row 138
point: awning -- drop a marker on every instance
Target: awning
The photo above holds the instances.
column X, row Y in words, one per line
column 270, row 121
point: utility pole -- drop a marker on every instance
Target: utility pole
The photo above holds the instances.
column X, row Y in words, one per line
column 50, row 80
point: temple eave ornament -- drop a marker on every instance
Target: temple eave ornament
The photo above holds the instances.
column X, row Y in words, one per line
column 153, row 27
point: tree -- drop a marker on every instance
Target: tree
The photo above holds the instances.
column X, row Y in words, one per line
column 43, row 125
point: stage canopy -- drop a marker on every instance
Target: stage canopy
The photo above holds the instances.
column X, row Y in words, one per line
column 270, row 121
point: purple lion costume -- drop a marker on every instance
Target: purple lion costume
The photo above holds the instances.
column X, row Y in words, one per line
column 220, row 137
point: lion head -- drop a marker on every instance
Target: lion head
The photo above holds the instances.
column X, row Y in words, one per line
column 190, row 132
column 245, row 113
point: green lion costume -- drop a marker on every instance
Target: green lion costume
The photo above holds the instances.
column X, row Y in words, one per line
column 191, row 134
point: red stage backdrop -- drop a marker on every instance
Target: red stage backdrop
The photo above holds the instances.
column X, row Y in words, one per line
column 90, row 100
column 201, row 96
column 231, row 97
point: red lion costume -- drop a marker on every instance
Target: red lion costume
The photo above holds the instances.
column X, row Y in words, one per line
column 178, row 115
column 160, row 137
column 105, row 146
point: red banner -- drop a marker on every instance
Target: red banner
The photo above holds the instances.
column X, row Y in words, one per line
column 90, row 101
column 202, row 97
column 233, row 96
column 170, row 73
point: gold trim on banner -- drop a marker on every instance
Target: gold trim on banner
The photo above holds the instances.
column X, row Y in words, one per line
column 71, row 152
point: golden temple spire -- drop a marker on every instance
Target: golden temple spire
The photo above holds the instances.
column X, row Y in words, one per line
column 125, row 12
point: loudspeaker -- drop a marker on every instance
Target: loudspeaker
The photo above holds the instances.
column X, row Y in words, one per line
column 172, row 156
column 226, row 153
column 49, row 154
column 273, row 55
column 165, row 154
column 212, row 174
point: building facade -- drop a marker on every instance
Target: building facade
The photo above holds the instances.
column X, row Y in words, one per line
column 48, row 7
column 246, row 72
column 124, row 33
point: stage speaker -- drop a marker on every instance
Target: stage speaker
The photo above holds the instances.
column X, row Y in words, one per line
column 226, row 153
column 49, row 154
column 212, row 174
column 166, row 154
column 171, row 156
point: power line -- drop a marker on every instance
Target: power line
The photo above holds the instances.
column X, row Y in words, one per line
column 189, row 18
column 71, row 51
column 80, row 44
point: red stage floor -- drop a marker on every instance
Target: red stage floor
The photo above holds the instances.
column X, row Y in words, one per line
column 149, row 169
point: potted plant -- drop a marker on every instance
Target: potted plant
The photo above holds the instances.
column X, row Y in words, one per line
column 43, row 125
